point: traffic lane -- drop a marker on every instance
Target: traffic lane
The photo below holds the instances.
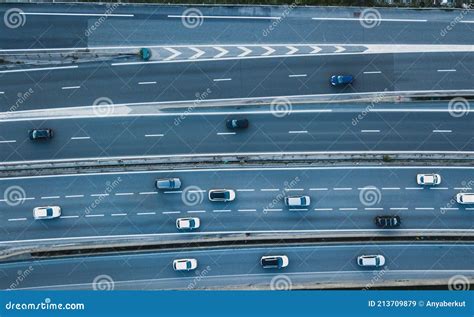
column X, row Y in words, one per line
column 231, row 79
column 189, row 132
column 226, row 263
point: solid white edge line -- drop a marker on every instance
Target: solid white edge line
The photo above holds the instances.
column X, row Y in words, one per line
column 376, row 19
column 77, row 14
column 36, row 69
column 225, row 17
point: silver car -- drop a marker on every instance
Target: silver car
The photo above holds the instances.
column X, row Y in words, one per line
column 168, row 183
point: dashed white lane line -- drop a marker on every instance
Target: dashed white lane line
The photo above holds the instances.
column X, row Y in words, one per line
column 222, row 79
column 319, row 188
column 153, row 135
column 170, row 212
column 99, row 195
column 347, row 209
column 272, row 209
column 398, row 208
column 462, row 188
column 438, row 188
column 370, row 131
column 197, row 191
column 196, row 211
column 2, row 92
column 442, row 131
column 342, row 188
column 123, row 194
column 446, row 208
column 50, row 197
column 80, row 138
column 413, row 188
column 74, row 196
column 245, row 190
column 298, row 132
column 16, row 219
column 297, row 75
column 226, row 17
column 118, row 214
column 70, row 87
column 373, row 72
column 247, row 209
column 8, row 141
column 269, row 189
column 221, row 210
column 68, row 217
column 323, row 209
column 294, row 189
column 298, row 209
column 173, row 192
column 358, row 19
column 390, row 188
column 226, row 133
column 96, row 215
column 146, row 213
column 470, row 208
column 373, row 208
column 148, row 193
column 446, row 70
column 424, row 208
column 147, row 83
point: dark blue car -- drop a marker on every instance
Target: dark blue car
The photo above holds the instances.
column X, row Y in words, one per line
column 338, row 80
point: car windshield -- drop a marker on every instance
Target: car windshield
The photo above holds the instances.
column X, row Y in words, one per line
column 219, row 195
column 49, row 211
column 271, row 262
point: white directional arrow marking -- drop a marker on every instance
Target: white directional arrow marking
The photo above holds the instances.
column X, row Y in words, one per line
column 339, row 49
column 269, row 50
column 223, row 51
column 292, row 49
column 198, row 53
column 246, row 51
column 174, row 52
column 316, row 49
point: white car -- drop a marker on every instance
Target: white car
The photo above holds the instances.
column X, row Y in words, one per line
column 465, row 198
column 48, row 212
column 274, row 261
column 371, row 260
column 297, row 201
column 188, row 223
column 185, row 264
column 428, row 179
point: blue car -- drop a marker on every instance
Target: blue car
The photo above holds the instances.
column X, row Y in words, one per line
column 338, row 80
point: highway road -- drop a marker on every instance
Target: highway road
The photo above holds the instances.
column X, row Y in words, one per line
column 233, row 267
column 323, row 129
column 71, row 25
column 343, row 198
column 90, row 83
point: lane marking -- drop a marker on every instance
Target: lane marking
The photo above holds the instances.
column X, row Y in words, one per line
column 438, row 188
column 173, row 192
column 342, row 188
column 170, row 212
column 123, row 194
column 147, row 82
column 222, row 79
column 99, row 195
column 96, row 215
column 148, row 193
column 146, row 213
column 35, row 69
column 153, row 135
column 413, row 188
column 446, row 208
column 247, row 209
column 297, row 75
column 78, row 14
column 462, row 188
column 347, row 209
column 16, row 219
column 318, row 188
column 373, row 72
column 390, row 188
column 119, row 214
column 80, row 138
column 373, row 208
column 296, row 132
column 370, row 131
column 197, row 191
column 272, row 209
column 50, row 197
column 196, row 211
column 68, row 217
column 381, row 20
column 74, row 196
column 8, row 141
column 226, row 133
column 70, row 87
column 225, row 17
column 221, row 210
column 424, row 208
column 294, row 189
column 269, row 189
column 445, row 70
column 298, row 209
column 442, row 131
column 323, row 209
column 245, row 190
column 399, row 208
